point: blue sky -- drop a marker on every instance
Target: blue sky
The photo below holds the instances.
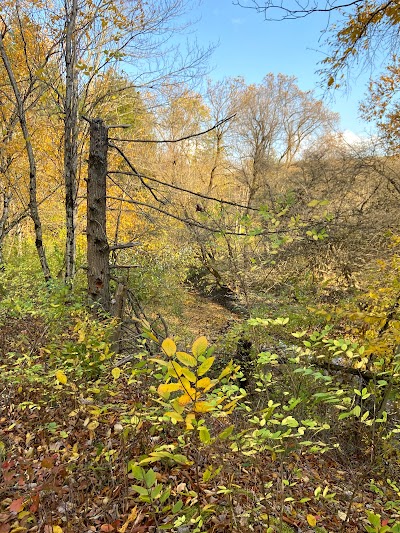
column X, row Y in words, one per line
column 251, row 47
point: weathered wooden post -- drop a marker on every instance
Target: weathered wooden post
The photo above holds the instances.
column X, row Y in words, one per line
column 98, row 250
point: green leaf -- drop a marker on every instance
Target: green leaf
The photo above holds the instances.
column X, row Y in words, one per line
column 137, row 472
column 290, row 421
column 181, row 459
column 204, row 435
column 207, row 474
column 165, row 495
column 226, row 433
column 313, row 203
column 141, row 490
column 299, row 334
column 177, row 507
column 148, row 460
column 150, row 478
column 156, row 491
column 205, row 366
column 375, row 519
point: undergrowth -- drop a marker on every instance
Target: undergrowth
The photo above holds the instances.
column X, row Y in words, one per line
column 182, row 439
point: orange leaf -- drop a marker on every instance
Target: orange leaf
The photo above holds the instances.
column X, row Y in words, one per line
column 107, row 528
column 17, row 505
column 35, row 503
column 47, row 462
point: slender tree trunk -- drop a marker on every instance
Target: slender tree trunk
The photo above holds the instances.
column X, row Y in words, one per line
column 218, row 152
column 70, row 141
column 3, row 222
column 98, row 249
column 33, row 204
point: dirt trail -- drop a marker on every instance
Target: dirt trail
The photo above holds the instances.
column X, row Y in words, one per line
column 200, row 316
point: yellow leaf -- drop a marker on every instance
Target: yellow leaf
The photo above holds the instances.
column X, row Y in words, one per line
column 205, row 366
column 150, row 335
column 174, row 369
column 227, row 370
column 229, row 406
column 203, row 383
column 177, row 407
column 185, row 385
column 93, row 425
column 61, row 377
column 189, row 419
column 199, row 346
column 186, row 358
column 184, row 399
column 189, row 375
column 311, row 520
column 131, row 518
column 160, row 362
column 203, row 407
column 116, row 372
column 169, row 347
column 57, row 529
column 166, row 388
column 174, row 415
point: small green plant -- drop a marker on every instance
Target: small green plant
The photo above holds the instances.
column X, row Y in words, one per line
column 87, row 354
column 377, row 525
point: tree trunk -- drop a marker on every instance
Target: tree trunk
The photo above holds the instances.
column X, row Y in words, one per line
column 98, row 249
column 70, row 141
column 3, row 222
column 218, row 152
column 33, row 204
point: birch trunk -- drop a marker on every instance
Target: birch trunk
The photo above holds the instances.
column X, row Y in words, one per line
column 3, row 222
column 70, row 141
column 33, row 204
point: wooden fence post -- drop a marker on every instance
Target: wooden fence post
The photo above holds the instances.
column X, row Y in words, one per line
column 98, row 250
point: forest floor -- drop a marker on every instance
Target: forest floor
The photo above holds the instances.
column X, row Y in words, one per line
column 200, row 315
column 65, row 447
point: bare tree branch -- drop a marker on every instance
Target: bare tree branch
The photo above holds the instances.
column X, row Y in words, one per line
column 123, row 246
column 204, row 196
column 294, row 10
column 192, row 136
column 135, row 172
column 191, row 222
